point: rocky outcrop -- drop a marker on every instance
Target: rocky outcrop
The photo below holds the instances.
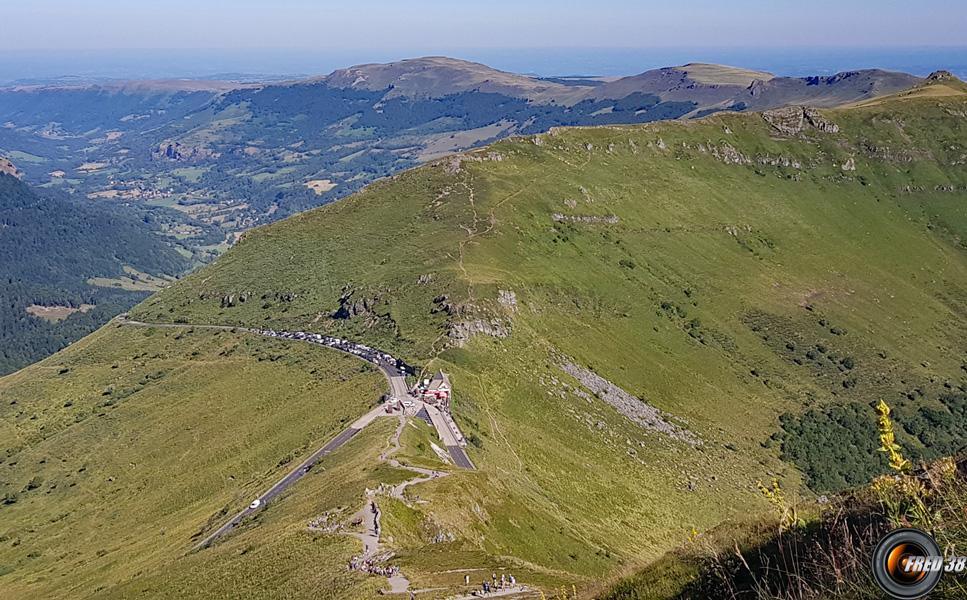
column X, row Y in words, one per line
column 461, row 332
column 454, row 164
column 178, row 152
column 609, row 219
column 231, row 299
column 442, row 304
column 778, row 161
column 508, row 299
column 726, row 153
column 793, row 120
column 757, row 88
column 8, row 168
column 351, row 306
column 633, row 408
column 787, row 121
column 820, row 122
column 941, row 75
column 892, row 155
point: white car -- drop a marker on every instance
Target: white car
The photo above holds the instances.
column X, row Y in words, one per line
column 407, row 403
column 255, row 504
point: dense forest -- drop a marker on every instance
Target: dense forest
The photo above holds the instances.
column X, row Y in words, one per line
column 49, row 247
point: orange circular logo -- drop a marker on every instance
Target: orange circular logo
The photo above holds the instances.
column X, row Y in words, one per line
column 905, row 564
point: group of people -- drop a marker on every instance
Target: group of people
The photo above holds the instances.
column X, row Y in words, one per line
column 366, row 565
column 494, row 585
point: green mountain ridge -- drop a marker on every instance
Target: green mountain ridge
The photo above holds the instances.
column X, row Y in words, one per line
column 247, row 152
column 748, row 276
column 208, row 160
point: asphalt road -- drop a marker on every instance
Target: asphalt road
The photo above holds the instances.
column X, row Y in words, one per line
column 397, row 386
column 295, row 475
column 398, row 390
column 460, row 457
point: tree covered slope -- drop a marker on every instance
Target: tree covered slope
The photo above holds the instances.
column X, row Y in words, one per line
column 49, row 247
column 640, row 323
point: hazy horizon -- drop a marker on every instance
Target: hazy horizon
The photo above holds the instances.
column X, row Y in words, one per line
column 27, row 65
column 204, row 38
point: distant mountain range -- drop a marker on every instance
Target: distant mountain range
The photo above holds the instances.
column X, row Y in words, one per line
column 709, row 87
column 231, row 154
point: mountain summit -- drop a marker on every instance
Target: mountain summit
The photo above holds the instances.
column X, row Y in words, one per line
column 438, row 76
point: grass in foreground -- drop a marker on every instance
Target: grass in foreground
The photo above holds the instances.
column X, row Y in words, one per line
column 825, row 555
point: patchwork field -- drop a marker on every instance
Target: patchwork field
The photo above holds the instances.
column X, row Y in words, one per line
column 55, row 314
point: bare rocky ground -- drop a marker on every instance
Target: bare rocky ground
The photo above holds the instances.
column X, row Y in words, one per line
column 630, row 406
column 374, row 558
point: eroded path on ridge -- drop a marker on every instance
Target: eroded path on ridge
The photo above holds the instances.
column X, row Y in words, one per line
column 374, row 559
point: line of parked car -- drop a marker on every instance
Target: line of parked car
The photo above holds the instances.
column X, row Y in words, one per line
column 372, row 355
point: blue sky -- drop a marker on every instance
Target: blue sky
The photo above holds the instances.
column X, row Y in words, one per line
column 445, row 26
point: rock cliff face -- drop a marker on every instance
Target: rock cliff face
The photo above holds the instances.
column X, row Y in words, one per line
column 459, row 333
column 941, row 75
column 792, row 120
column 8, row 168
column 352, row 305
column 178, row 152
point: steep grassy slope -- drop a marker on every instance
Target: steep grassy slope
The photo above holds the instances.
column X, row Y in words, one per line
column 118, row 451
column 826, row 555
column 693, row 268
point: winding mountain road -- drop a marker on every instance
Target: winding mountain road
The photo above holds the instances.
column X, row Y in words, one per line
column 287, row 481
column 394, row 372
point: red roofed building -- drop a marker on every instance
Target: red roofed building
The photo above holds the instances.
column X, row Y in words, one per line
column 439, row 389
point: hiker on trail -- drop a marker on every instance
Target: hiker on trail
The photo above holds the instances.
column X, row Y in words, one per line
column 513, row 581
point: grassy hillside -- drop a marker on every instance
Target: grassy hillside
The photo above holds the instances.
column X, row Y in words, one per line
column 812, row 550
column 640, row 323
column 222, row 157
column 120, row 451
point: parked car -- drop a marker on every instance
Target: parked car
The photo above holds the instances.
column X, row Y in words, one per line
column 255, row 504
